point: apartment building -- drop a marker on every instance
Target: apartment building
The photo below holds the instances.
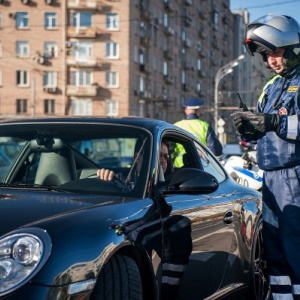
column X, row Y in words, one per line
column 114, row 57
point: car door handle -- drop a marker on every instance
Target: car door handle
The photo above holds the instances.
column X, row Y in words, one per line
column 228, row 217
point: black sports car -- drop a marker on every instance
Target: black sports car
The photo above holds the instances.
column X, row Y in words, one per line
column 169, row 224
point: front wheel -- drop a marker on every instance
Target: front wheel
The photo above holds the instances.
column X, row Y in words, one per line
column 259, row 285
column 119, row 280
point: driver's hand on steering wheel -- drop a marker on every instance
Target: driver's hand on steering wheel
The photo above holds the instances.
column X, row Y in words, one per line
column 105, row 174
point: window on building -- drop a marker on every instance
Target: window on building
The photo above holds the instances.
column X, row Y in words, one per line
column 22, row 78
column 1, row 78
column 142, row 57
column 216, row 20
column 198, row 87
column 166, row 20
column 112, row 50
column 50, row 79
column 112, row 79
column 142, row 84
column 199, row 46
column 112, row 21
column 21, row 106
column 199, row 64
column 111, row 108
column 50, row 20
column 82, row 107
column 165, row 68
column 81, row 77
column 0, row 19
column 22, row 20
column 135, row 54
column 49, row 106
column 22, row 48
column 50, row 49
column 82, row 19
column 81, row 49
column 0, row 49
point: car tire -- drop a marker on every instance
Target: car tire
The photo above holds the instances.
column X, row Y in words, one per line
column 119, row 280
column 259, row 285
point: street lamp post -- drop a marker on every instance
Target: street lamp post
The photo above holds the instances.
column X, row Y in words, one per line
column 223, row 71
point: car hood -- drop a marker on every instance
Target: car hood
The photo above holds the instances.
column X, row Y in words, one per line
column 20, row 207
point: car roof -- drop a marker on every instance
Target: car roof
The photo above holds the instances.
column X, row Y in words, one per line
column 26, row 128
column 139, row 121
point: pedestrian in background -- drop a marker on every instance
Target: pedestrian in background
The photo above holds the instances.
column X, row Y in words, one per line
column 199, row 128
column 276, row 128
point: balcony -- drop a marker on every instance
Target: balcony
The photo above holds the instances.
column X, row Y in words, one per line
column 187, row 43
column 202, row 14
column 145, row 41
column 201, row 74
column 145, row 68
column 168, row 55
column 84, row 4
column 83, row 61
column 146, row 14
column 168, row 6
column 202, row 34
column 187, row 21
column 82, row 91
column 50, row 89
column 201, row 54
column 78, row 32
column 168, row 30
column 168, row 79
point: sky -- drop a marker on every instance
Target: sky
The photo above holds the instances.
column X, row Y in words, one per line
column 259, row 8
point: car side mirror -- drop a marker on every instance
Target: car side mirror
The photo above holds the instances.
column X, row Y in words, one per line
column 191, row 181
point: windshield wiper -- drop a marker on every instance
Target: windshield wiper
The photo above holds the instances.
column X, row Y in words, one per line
column 31, row 185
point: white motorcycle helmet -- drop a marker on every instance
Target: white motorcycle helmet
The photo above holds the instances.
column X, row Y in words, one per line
column 270, row 32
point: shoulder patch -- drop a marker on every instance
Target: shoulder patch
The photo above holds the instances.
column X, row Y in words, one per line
column 293, row 89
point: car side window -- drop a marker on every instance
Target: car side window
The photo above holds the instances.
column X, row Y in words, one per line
column 210, row 164
column 181, row 154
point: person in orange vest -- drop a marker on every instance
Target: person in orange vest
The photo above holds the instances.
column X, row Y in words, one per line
column 199, row 128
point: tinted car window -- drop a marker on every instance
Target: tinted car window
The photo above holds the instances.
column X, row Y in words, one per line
column 210, row 164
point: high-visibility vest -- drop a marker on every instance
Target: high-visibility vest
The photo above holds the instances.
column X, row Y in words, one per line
column 195, row 126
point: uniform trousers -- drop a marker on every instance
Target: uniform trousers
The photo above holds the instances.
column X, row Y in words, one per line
column 281, row 231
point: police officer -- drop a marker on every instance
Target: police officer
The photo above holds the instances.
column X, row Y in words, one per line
column 201, row 129
column 276, row 128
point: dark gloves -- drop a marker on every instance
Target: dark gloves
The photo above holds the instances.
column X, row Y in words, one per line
column 265, row 122
column 242, row 125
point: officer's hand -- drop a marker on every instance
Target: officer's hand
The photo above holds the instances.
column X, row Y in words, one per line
column 242, row 126
column 265, row 122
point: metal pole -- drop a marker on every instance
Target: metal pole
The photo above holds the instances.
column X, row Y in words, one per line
column 223, row 71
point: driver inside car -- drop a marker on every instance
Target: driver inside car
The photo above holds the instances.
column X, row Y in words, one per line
column 164, row 160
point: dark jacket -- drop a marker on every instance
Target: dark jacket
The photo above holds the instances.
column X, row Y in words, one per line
column 278, row 150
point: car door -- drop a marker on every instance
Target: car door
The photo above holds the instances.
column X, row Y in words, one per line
column 211, row 216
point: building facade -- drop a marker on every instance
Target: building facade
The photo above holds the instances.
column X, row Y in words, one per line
column 117, row 57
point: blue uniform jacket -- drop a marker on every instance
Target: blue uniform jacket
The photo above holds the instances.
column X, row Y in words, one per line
column 278, row 150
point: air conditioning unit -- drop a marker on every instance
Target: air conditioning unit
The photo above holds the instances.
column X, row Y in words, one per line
column 68, row 44
column 12, row 15
column 49, row 2
column 41, row 60
column 52, row 89
column 25, row 1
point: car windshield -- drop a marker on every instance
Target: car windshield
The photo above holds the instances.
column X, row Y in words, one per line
column 68, row 156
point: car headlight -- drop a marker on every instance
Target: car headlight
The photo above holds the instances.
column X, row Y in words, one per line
column 22, row 254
